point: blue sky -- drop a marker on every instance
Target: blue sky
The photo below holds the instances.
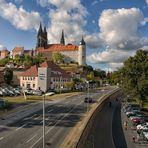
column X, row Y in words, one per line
column 113, row 29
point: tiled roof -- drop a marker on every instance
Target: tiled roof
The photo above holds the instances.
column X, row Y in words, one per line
column 32, row 71
column 18, row 49
column 5, row 50
column 54, row 67
column 58, row 47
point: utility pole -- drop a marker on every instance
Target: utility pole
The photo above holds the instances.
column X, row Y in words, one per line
column 44, row 121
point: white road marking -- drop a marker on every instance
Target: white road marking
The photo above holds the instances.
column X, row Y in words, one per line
column 21, row 127
column 1, row 138
column 50, row 110
column 31, row 138
column 55, row 124
column 29, row 117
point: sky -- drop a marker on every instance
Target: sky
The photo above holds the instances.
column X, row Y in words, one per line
column 112, row 29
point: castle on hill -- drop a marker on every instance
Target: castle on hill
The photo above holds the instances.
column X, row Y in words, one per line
column 72, row 53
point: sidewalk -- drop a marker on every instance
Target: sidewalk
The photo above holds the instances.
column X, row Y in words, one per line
column 130, row 132
column 27, row 110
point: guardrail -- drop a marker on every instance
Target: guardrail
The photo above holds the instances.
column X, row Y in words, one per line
column 77, row 135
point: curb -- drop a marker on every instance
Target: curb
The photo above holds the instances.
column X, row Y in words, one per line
column 76, row 132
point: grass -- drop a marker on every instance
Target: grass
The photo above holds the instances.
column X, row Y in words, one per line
column 32, row 98
column 20, row 100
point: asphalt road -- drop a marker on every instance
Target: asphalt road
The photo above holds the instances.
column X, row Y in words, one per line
column 106, row 130
column 60, row 118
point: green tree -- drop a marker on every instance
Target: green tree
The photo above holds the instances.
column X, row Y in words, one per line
column 8, row 76
column 134, row 75
column 39, row 58
column 90, row 76
column 28, row 60
column 57, row 57
column 69, row 85
column 17, row 59
column 4, row 61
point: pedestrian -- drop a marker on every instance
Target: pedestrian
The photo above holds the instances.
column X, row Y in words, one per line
column 125, row 125
column 133, row 138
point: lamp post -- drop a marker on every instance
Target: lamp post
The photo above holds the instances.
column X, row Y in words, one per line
column 44, row 121
column 88, row 94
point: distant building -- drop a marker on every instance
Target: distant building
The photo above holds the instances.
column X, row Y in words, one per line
column 4, row 53
column 72, row 53
column 44, row 76
column 17, row 51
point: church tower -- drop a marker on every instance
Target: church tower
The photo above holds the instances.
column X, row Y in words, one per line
column 62, row 38
column 82, row 53
column 42, row 37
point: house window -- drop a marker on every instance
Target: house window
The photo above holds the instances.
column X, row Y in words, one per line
column 33, row 85
column 23, row 85
column 28, row 85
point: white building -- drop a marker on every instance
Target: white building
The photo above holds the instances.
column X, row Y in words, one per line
column 44, row 76
column 72, row 53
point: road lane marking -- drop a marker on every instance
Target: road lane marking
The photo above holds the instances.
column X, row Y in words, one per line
column 1, row 138
column 21, row 127
column 31, row 138
column 50, row 110
column 55, row 124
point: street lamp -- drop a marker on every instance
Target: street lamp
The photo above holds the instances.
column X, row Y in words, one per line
column 88, row 94
column 44, row 121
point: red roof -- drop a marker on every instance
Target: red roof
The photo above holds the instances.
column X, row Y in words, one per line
column 58, row 47
column 18, row 49
column 32, row 71
column 54, row 67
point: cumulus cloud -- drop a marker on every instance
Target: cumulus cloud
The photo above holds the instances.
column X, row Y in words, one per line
column 146, row 2
column 119, row 28
column 110, row 56
column 19, row 17
column 119, row 33
column 67, row 15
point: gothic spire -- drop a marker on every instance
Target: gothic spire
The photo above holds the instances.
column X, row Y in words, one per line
column 62, row 38
column 82, row 42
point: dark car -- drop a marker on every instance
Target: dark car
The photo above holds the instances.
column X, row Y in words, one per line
column 88, row 100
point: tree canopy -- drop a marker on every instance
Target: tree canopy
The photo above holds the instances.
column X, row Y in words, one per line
column 8, row 75
column 57, row 57
column 133, row 76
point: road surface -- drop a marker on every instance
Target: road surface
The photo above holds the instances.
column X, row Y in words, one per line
column 60, row 118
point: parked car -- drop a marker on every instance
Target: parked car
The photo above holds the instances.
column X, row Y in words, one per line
column 49, row 94
column 37, row 92
column 28, row 91
column 138, row 120
column 145, row 134
column 88, row 100
column 143, row 126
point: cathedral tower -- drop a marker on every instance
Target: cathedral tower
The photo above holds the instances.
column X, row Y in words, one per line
column 82, row 53
column 42, row 37
column 62, row 38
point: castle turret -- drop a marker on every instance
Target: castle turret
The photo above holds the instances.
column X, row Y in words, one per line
column 62, row 38
column 82, row 53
